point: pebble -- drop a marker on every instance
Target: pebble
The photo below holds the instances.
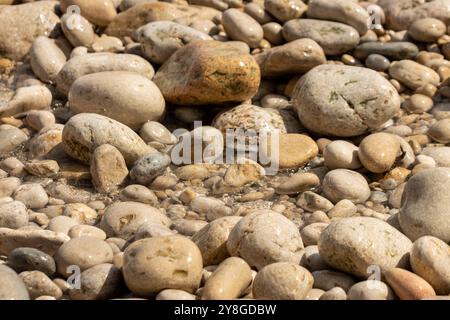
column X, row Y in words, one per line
column 334, row 294
column 146, row 169
column 228, row 281
column 340, row 184
column 311, row 233
column 242, row 27
column 13, row 288
column 407, row 285
column 412, row 74
column 441, row 155
column 30, row 259
column 171, row 262
column 235, row 76
column 102, row 130
column 13, row 215
column 294, row 57
column 32, row 195
column 418, row 103
column 83, row 252
column 139, row 99
column 10, row 139
column 100, row 282
column 108, row 168
column 311, row 201
column 122, row 219
column 160, row 39
column 91, row 63
column 46, row 59
column 138, row 193
column 429, row 259
column 100, row 13
column 82, row 35
column 377, row 62
column 31, row 97
column 81, row 230
column 354, row 244
column 174, row 294
column 427, row 29
column 155, row 131
column 264, row 237
column 394, row 50
column 327, row 280
column 328, row 107
column 370, row 290
column 8, row 186
column 298, row 183
column 425, row 205
column 340, row 154
column 345, row 11
column 39, row 284
column 378, row 152
column 285, row 10
column 150, row 230
column 334, row 38
column 440, row 131
column 273, row 32
column 212, row 239
column 282, row 281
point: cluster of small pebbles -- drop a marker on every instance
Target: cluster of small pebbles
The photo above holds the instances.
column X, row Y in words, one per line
column 94, row 206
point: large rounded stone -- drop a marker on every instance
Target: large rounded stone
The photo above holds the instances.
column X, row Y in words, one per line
column 356, row 101
column 12, row 287
column 426, row 205
column 123, row 96
column 356, row 245
column 343, row 184
column 208, row 72
column 171, row 262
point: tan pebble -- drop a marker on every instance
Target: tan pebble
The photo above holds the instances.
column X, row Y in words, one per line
column 86, row 230
column 238, row 175
column 39, row 284
column 407, row 285
column 440, row 131
column 282, row 281
column 152, row 265
column 314, row 294
column 174, row 294
column 334, row 294
column 370, row 290
column 228, row 281
column 298, row 183
column 378, row 152
column 311, row 233
column 342, row 184
column 341, row 154
column 427, row 29
column 212, row 239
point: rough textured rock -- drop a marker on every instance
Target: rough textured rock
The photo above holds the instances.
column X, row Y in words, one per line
column 208, row 72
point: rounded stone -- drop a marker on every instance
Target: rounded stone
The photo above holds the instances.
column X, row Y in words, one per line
column 100, row 12
column 407, row 285
column 46, row 59
column 427, row 29
column 174, row 294
column 123, row 96
column 295, row 150
column 155, row 131
column 341, row 107
column 242, row 27
column 82, row 230
column 341, row 154
column 440, row 131
column 413, row 75
column 379, row 151
column 354, row 244
column 282, row 281
column 29, row 259
column 39, row 284
column 171, row 262
column 298, row 183
column 377, row 62
column 425, row 206
column 32, row 195
column 264, row 237
column 101, row 282
column 82, row 252
column 84, row 132
column 122, row 219
column 212, row 239
column 13, row 215
column 430, row 260
column 343, row 184
column 149, row 167
column 38, row 119
column 160, row 39
column 12, row 288
column 370, row 290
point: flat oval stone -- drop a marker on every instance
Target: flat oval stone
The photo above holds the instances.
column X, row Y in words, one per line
column 100, row 12
column 394, row 50
column 413, row 75
column 29, row 259
column 126, row 97
column 100, row 62
column 160, row 39
column 242, row 27
column 335, row 38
